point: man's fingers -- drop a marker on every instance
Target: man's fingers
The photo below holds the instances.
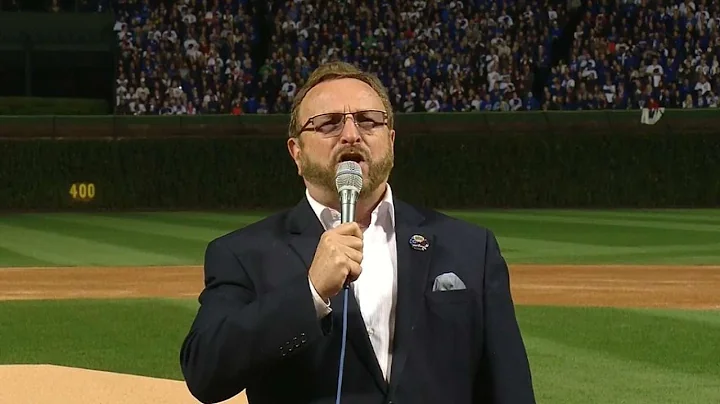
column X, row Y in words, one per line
column 354, row 273
column 354, row 254
column 349, row 229
column 352, row 242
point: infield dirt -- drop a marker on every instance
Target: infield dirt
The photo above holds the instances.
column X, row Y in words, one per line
column 568, row 285
column 692, row 287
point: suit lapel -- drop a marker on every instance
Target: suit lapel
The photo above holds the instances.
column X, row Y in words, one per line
column 413, row 266
column 305, row 231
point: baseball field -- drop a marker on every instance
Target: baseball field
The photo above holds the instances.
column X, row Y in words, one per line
column 616, row 306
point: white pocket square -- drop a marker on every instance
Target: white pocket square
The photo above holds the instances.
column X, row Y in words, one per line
column 448, row 281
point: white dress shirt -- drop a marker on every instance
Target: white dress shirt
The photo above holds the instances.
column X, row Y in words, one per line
column 375, row 289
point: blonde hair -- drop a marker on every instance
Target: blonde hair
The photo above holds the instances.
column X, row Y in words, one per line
column 333, row 71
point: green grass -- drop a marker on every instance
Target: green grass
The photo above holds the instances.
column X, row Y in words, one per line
column 584, row 355
column 134, row 336
column 578, row 355
column 526, row 236
column 622, row 356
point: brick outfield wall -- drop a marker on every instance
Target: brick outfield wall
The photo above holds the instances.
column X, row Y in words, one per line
column 457, row 170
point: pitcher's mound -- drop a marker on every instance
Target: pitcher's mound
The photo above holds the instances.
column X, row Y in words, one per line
column 49, row 384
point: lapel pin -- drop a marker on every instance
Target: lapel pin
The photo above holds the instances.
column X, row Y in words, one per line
column 418, row 242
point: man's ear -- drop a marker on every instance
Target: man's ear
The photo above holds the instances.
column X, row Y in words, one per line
column 295, row 149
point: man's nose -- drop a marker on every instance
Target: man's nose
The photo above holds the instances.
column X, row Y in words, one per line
column 350, row 133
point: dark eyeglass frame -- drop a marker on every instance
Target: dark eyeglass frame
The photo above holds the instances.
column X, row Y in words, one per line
column 355, row 114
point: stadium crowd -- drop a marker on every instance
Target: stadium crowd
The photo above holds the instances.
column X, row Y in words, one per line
column 200, row 56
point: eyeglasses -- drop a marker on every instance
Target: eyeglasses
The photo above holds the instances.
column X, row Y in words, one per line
column 332, row 124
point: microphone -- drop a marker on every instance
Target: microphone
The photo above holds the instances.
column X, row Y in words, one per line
column 349, row 181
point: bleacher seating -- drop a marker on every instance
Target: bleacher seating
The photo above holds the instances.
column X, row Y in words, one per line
column 200, row 57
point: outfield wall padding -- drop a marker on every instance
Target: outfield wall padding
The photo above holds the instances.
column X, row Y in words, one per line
column 459, row 171
column 617, row 122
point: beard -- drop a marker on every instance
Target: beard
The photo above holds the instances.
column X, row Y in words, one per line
column 323, row 175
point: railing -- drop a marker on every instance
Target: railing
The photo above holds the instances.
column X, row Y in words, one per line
column 677, row 121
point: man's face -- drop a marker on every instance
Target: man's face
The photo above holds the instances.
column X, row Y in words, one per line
column 317, row 156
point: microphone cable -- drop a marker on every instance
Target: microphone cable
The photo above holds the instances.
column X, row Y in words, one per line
column 346, row 289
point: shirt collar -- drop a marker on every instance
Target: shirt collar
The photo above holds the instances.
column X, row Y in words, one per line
column 384, row 212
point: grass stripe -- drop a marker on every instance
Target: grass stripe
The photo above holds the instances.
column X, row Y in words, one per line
column 63, row 249
column 189, row 304
column 119, row 336
column 225, row 217
column 556, row 248
column 530, row 251
column 629, row 259
column 642, row 215
column 708, row 317
column 191, row 221
column 208, row 219
column 136, row 225
column 698, row 211
column 553, row 248
column 183, row 236
column 584, row 232
column 691, row 214
column 176, row 249
column 593, row 221
column 559, row 248
column 599, row 235
column 567, row 374
column 12, row 258
column 632, row 335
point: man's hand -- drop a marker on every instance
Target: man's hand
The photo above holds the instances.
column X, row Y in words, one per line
column 337, row 259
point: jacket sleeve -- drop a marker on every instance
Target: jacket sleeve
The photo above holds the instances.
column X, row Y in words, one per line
column 237, row 333
column 504, row 376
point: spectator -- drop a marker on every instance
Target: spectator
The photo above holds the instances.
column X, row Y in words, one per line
column 435, row 56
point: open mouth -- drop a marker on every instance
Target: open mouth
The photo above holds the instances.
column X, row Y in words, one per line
column 351, row 156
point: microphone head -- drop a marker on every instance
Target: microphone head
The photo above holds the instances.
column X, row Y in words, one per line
column 349, row 176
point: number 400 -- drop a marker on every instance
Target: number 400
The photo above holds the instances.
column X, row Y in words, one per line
column 82, row 191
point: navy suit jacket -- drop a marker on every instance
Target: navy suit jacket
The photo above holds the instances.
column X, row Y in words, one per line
column 256, row 328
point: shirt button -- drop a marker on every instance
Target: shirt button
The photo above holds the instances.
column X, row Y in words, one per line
column 370, row 331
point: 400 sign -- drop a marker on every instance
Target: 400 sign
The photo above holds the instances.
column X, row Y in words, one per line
column 82, row 192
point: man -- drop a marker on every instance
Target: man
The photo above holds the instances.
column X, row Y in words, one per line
column 270, row 319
